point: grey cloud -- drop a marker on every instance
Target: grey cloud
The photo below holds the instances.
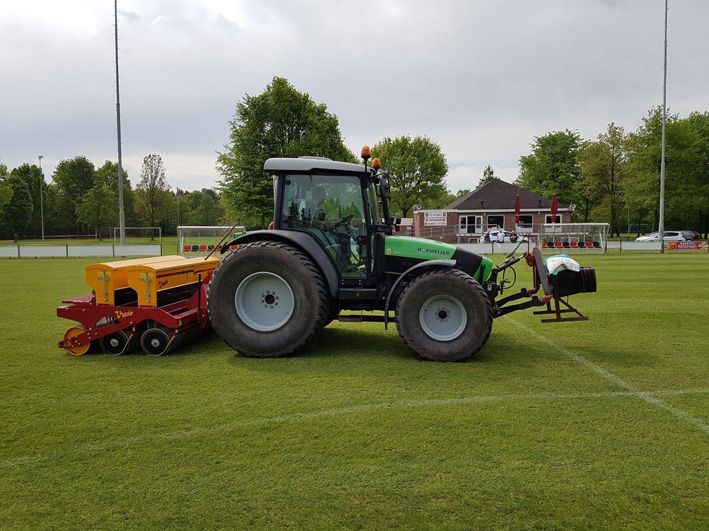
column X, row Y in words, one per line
column 481, row 78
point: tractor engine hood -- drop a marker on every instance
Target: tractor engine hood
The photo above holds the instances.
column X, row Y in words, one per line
column 403, row 252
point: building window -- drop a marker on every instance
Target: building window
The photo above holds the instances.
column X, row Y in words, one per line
column 525, row 222
column 496, row 221
column 548, row 219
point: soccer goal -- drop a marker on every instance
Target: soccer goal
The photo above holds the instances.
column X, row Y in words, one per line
column 194, row 240
column 142, row 233
column 568, row 236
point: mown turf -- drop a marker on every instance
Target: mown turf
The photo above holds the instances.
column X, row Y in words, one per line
column 547, row 427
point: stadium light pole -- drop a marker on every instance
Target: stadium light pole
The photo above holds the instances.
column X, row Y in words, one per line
column 121, row 213
column 41, row 193
column 661, row 226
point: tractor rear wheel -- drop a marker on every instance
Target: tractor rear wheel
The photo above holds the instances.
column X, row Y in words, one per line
column 267, row 299
column 444, row 315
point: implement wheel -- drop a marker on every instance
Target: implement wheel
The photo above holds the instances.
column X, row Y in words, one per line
column 117, row 343
column 444, row 315
column 71, row 347
column 155, row 342
column 267, row 299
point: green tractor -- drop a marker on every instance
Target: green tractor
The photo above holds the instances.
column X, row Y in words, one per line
column 331, row 254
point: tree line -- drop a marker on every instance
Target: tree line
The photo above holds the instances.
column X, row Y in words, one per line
column 83, row 200
column 614, row 178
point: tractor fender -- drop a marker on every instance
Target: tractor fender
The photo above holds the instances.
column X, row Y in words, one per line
column 303, row 241
column 422, row 266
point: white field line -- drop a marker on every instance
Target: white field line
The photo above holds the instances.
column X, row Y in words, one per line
column 193, row 432
column 632, row 390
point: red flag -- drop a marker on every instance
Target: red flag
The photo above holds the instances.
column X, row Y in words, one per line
column 554, row 208
column 517, row 209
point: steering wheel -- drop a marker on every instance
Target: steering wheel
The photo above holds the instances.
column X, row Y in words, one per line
column 344, row 221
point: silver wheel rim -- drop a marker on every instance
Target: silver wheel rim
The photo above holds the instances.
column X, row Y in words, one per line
column 443, row 318
column 115, row 341
column 264, row 301
column 155, row 342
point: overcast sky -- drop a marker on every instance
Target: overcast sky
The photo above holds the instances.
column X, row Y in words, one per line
column 480, row 78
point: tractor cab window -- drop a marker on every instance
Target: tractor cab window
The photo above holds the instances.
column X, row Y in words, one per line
column 331, row 208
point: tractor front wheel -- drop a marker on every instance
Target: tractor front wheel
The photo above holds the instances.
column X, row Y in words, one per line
column 444, row 315
column 267, row 299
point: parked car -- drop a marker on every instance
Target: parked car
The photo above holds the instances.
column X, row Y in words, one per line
column 691, row 235
column 670, row 236
column 510, row 237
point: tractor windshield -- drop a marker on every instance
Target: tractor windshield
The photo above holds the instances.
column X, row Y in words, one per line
column 331, row 208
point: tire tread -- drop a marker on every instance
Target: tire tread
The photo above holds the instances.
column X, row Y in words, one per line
column 297, row 255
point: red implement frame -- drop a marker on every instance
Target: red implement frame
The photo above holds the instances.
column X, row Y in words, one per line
column 177, row 317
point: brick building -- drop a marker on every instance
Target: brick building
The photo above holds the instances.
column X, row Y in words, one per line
column 492, row 205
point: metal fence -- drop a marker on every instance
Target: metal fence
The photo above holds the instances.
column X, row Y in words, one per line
column 71, row 251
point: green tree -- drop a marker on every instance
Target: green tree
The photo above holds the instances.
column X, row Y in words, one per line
column 698, row 124
column 72, row 179
column 552, row 167
column 201, row 207
column 687, row 152
column 280, row 122
column 98, row 206
column 208, row 211
column 32, row 175
column 488, row 175
column 417, row 170
column 108, row 174
column 5, row 188
column 604, row 170
column 17, row 214
column 153, row 196
column 182, row 208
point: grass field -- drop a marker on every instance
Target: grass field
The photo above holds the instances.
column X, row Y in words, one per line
column 602, row 424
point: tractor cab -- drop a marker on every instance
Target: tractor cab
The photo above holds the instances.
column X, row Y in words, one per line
column 334, row 210
column 342, row 206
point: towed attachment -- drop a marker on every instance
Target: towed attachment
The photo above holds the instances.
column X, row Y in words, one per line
column 158, row 303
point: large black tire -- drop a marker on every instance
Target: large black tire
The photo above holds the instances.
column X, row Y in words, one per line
column 267, row 299
column 444, row 315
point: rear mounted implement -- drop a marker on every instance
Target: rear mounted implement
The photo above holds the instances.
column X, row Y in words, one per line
column 156, row 303
column 556, row 286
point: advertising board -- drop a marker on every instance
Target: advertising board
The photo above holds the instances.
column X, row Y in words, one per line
column 686, row 246
column 435, row 219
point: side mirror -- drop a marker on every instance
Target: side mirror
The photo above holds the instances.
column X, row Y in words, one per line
column 384, row 188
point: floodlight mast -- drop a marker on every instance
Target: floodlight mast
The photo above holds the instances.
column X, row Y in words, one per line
column 121, row 213
column 41, row 193
column 661, row 226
